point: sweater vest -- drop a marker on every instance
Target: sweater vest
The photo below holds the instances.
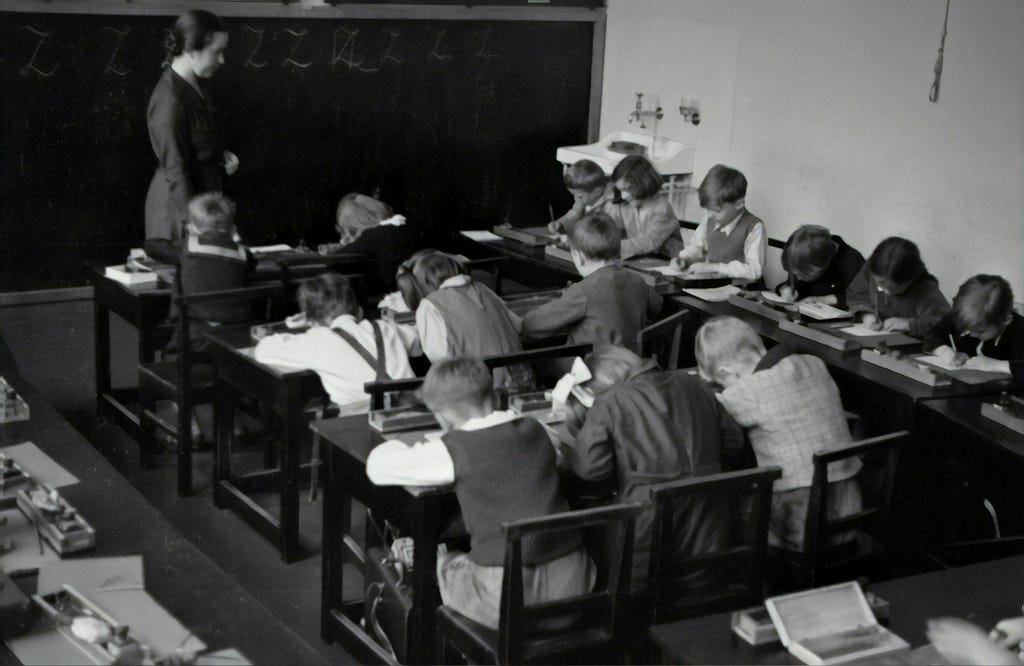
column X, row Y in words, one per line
column 478, row 324
column 505, row 473
column 723, row 248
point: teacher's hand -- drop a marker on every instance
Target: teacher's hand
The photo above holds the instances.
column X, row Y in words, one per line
column 230, row 163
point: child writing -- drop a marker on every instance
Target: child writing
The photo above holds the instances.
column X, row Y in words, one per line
column 503, row 467
column 369, row 226
column 895, row 292
column 820, row 266
column 456, row 316
column 645, row 214
column 731, row 240
column 610, row 304
column 344, row 349
column 590, row 189
column 646, row 426
column 213, row 259
column 792, row 409
column 982, row 331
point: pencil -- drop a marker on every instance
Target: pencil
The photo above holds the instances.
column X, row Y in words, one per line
column 551, row 212
column 952, row 343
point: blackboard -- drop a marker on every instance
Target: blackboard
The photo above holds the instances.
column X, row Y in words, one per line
column 455, row 121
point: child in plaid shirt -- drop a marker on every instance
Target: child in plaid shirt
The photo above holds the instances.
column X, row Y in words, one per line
column 792, row 409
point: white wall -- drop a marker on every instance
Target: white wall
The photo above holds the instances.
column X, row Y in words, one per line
column 823, row 104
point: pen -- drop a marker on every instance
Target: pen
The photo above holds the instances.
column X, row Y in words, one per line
column 952, row 344
column 551, row 212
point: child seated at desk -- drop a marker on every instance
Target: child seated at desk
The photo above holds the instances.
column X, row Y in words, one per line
column 647, row 426
column 645, row 214
column 610, row 304
column 982, row 331
column 731, row 240
column 792, row 409
column 369, row 226
column 591, row 192
column 503, row 467
column 820, row 266
column 895, row 292
column 456, row 316
column 341, row 347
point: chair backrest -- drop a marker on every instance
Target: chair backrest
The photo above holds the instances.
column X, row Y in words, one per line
column 879, row 455
column 662, row 339
column 732, row 576
column 185, row 303
column 294, row 269
column 492, row 265
column 378, row 390
column 609, row 534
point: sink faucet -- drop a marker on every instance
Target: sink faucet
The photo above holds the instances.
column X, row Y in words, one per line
column 640, row 115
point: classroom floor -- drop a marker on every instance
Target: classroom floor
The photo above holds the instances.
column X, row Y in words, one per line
column 52, row 345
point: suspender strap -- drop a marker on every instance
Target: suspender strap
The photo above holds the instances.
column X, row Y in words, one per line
column 378, row 366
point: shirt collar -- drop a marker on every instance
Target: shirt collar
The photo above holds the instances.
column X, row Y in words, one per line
column 344, row 319
column 495, row 418
column 456, row 281
column 648, row 365
column 727, row 229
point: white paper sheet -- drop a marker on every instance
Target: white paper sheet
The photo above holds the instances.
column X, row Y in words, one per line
column 41, row 467
column 481, row 236
column 227, row 657
column 88, row 575
column 270, row 249
column 714, row 294
column 861, row 331
column 774, row 298
column 150, row 622
column 25, row 556
column 822, row 311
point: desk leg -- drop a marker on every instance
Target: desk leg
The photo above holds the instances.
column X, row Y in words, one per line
column 337, row 522
column 291, row 470
column 224, row 429
column 101, row 346
column 426, row 526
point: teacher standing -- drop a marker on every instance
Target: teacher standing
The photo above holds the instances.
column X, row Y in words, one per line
column 184, row 125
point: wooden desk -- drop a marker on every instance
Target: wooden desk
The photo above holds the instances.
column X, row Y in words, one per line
column 143, row 307
column 982, row 593
column 418, row 512
column 283, row 394
column 974, row 458
column 187, row 583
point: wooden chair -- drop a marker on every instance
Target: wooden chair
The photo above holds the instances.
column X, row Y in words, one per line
column 734, row 577
column 492, row 265
column 593, row 623
column 185, row 380
column 823, row 561
column 294, row 269
column 379, row 390
column 662, row 340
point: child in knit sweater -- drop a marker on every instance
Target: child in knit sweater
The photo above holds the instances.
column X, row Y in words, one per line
column 503, row 467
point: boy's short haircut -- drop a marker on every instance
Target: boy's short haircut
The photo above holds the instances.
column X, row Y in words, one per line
column 327, row 296
column 640, row 174
column 896, row 259
column 422, row 274
column 721, row 340
column 585, row 175
column 722, row 185
column 809, row 248
column 457, row 385
column 596, row 237
column 984, row 300
column 211, row 211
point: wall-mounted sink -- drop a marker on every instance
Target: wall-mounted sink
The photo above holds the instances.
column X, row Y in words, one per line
column 669, row 157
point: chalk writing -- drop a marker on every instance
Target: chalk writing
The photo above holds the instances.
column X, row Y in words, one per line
column 120, row 35
column 388, row 57
column 250, row 61
column 436, row 52
column 483, row 53
column 31, row 66
column 347, row 53
column 290, row 60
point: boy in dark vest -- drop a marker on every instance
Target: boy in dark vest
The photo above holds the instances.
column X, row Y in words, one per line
column 731, row 240
column 503, row 467
column 610, row 305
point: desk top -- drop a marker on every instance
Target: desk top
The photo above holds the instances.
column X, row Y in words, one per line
column 353, row 436
column 237, row 342
column 982, row 593
column 966, row 412
column 187, row 583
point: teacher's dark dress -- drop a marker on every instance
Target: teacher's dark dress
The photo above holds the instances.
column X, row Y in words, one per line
column 186, row 134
